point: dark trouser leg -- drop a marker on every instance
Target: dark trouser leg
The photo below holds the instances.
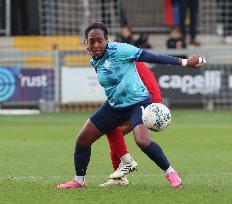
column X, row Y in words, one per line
column 193, row 17
column 183, row 9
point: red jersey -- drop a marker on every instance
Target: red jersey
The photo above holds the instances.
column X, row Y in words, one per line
column 149, row 81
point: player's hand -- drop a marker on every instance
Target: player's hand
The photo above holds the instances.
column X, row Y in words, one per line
column 196, row 61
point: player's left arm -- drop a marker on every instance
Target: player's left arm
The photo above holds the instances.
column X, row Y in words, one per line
column 193, row 61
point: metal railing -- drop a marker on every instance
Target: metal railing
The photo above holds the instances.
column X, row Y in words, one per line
column 7, row 18
column 9, row 60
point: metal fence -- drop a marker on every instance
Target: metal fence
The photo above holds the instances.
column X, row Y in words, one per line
column 31, row 58
column 5, row 20
column 59, row 17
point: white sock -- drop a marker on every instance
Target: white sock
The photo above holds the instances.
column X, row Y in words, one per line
column 80, row 179
column 169, row 170
column 126, row 158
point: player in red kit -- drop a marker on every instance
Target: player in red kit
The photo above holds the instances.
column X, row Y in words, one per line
column 118, row 149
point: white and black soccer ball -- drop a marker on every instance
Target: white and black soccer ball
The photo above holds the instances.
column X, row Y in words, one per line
column 156, row 117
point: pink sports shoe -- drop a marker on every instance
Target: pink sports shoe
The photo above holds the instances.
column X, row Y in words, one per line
column 71, row 184
column 174, row 179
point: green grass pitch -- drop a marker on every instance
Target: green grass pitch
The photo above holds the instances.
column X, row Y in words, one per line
column 36, row 154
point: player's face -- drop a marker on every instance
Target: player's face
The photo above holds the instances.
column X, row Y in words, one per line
column 97, row 42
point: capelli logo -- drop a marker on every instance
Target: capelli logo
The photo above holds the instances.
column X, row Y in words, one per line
column 209, row 83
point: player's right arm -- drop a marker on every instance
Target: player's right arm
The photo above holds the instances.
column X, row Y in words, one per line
column 149, row 57
column 130, row 52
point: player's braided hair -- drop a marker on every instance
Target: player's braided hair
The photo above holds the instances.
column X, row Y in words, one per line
column 96, row 25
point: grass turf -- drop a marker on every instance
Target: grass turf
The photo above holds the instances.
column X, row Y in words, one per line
column 36, row 153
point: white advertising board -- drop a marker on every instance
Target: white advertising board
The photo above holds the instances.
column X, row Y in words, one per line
column 80, row 85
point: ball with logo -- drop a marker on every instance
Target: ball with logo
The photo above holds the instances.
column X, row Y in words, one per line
column 156, row 117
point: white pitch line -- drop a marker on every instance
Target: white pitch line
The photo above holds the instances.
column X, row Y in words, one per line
column 36, row 178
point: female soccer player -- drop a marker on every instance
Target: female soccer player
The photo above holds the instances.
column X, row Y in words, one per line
column 125, row 92
column 118, row 149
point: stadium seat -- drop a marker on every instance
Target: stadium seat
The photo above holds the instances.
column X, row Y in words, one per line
column 50, row 43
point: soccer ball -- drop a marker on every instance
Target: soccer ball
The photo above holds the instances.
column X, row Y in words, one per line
column 156, row 117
